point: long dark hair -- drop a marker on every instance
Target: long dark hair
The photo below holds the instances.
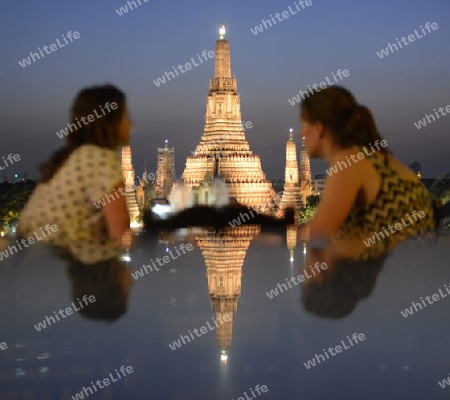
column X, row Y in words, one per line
column 102, row 131
column 350, row 123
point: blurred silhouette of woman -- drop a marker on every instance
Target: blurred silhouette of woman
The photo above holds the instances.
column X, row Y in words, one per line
column 108, row 281
column 336, row 290
column 368, row 190
column 79, row 175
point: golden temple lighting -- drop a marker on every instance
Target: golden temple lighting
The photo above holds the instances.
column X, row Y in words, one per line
column 222, row 31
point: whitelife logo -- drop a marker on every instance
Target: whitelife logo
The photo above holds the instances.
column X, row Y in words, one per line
column 146, row 268
column 241, row 218
column 203, row 330
column 423, row 122
column 124, row 10
column 90, row 118
column 317, row 267
column 258, row 389
column 188, row 66
column 11, row 158
column 360, row 155
column 52, row 47
column 393, row 229
column 124, row 371
column 342, row 74
column 27, row 242
column 128, row 189
column 417, row 306
column 393, row 47
column 68, row 310
column 281, row 17
column 338, row 349
column 223, row 138
column 444, row 383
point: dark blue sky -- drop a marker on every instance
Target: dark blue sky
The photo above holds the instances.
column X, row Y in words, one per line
column 132, row 50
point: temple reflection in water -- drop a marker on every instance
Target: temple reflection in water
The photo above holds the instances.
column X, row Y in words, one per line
column 224, row 255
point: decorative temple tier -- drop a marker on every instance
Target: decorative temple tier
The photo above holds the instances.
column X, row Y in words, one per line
column 292, row 197
column 305, row 174
column 223, row 149
column 128, row 177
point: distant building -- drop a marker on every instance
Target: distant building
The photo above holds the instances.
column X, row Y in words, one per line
column 305, row 174
column 416, row 168
column 128, row 177
column 292, row 197
column 141, row 190
column 165, row 173
column 318, row 184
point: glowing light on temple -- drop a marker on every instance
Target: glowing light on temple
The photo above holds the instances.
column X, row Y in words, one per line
column 224, row 357
column 222, row 31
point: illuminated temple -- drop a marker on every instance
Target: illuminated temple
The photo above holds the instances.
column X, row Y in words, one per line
column 292, row 197
column 128, row 177
column 305, row 174
column 165, row 173
column 223, row 149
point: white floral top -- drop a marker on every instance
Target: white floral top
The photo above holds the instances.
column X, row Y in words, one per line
column 69, row 200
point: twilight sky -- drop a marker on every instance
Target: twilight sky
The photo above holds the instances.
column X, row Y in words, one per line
column 133, row 50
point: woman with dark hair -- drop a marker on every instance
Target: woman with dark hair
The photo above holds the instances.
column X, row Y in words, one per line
column 368, row 190
column 81, row 174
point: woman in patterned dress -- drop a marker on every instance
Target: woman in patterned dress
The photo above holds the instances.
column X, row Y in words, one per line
column 368, row 193
column 79, row 175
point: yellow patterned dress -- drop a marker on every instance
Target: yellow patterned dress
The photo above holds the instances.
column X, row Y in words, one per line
column 401, row 210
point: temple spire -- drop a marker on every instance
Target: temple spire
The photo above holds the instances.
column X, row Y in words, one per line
column 222, row 31
column 222, row 63
column 305, row 173
column 291, row 194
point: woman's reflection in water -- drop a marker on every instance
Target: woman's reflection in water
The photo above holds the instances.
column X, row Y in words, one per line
column 109, row 281
column 352, row 270
column 335, row 291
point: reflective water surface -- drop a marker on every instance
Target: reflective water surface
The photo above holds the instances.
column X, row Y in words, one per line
column 216, row 321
